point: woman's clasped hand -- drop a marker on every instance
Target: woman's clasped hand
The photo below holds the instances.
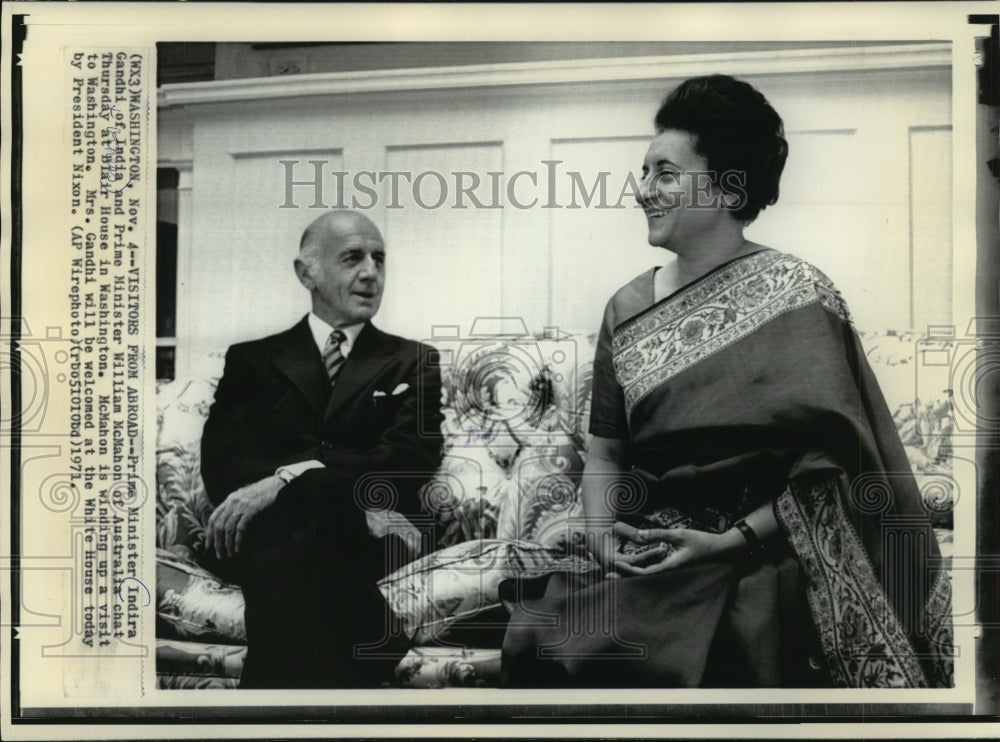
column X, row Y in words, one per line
column 659, row 549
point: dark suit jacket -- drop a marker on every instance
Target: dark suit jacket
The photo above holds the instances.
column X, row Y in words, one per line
column 274, row 407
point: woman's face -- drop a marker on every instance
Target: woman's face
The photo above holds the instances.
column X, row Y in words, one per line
column 677, row 192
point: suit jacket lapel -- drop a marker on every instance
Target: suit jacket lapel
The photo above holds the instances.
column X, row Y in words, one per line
column 298, row 358
column 368, row 356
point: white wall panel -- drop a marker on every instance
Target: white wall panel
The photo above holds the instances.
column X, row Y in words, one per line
column 844, row 201
column 833, row 213
column 601, row 247
column 244, row 245
column 437, row 253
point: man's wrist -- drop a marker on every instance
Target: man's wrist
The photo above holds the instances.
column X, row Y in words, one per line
column 288, row 472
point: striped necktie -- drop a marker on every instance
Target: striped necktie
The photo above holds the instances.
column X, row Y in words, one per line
column 333, row 359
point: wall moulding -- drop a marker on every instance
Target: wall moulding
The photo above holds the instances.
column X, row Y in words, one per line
column 858, row 58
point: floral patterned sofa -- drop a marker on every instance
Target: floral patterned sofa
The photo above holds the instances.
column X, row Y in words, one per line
column 501, row 504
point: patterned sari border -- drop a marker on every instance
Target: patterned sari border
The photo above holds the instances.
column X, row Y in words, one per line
column 863, row 640
column 712, row 314
column 941, row 637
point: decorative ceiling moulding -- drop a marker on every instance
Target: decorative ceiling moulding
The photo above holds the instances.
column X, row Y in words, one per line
column 859, row 58
column 288, row 149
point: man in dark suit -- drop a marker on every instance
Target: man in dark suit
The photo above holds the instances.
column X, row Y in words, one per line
column 315, row 432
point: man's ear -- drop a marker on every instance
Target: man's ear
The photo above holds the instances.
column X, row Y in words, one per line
column 304, row 274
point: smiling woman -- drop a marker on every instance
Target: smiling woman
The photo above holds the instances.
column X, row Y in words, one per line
column 777, row 509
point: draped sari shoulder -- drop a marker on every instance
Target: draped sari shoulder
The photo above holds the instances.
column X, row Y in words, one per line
column 607, row 410
column 710, row 314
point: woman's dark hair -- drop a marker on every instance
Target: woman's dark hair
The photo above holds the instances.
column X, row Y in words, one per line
column 735, row 129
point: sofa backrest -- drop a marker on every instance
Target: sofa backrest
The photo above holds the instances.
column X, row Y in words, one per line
column 516, row 415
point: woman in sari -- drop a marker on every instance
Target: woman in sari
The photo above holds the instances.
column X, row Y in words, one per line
column 746, row 493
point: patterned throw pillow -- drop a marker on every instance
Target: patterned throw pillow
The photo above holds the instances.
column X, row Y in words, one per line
column 191, row 603
column 431, row 594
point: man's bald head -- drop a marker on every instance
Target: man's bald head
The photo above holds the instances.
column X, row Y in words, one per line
column 335, row 224
column 342, row 263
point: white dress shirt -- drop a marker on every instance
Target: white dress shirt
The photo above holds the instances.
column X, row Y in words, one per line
column 321, row 330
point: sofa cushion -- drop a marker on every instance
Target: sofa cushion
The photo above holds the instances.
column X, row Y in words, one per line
column 449, row 667
column 196, row 665
column 509, row 401
column 191, row 603
column 199, row 659
column 182, row 507
column 429, row 595
column 168, row 681
column 464, row 496
column 434, row 593
column 569, row 358
column 544, row 507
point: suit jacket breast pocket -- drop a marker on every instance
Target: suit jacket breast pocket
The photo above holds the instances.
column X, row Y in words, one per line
column 386, row 407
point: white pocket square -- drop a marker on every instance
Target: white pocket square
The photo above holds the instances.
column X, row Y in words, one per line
column 400, row 388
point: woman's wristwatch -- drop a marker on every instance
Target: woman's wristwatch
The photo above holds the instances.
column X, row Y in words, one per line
column 754, row 546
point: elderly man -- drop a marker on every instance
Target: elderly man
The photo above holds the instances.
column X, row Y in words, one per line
column 306, row 426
